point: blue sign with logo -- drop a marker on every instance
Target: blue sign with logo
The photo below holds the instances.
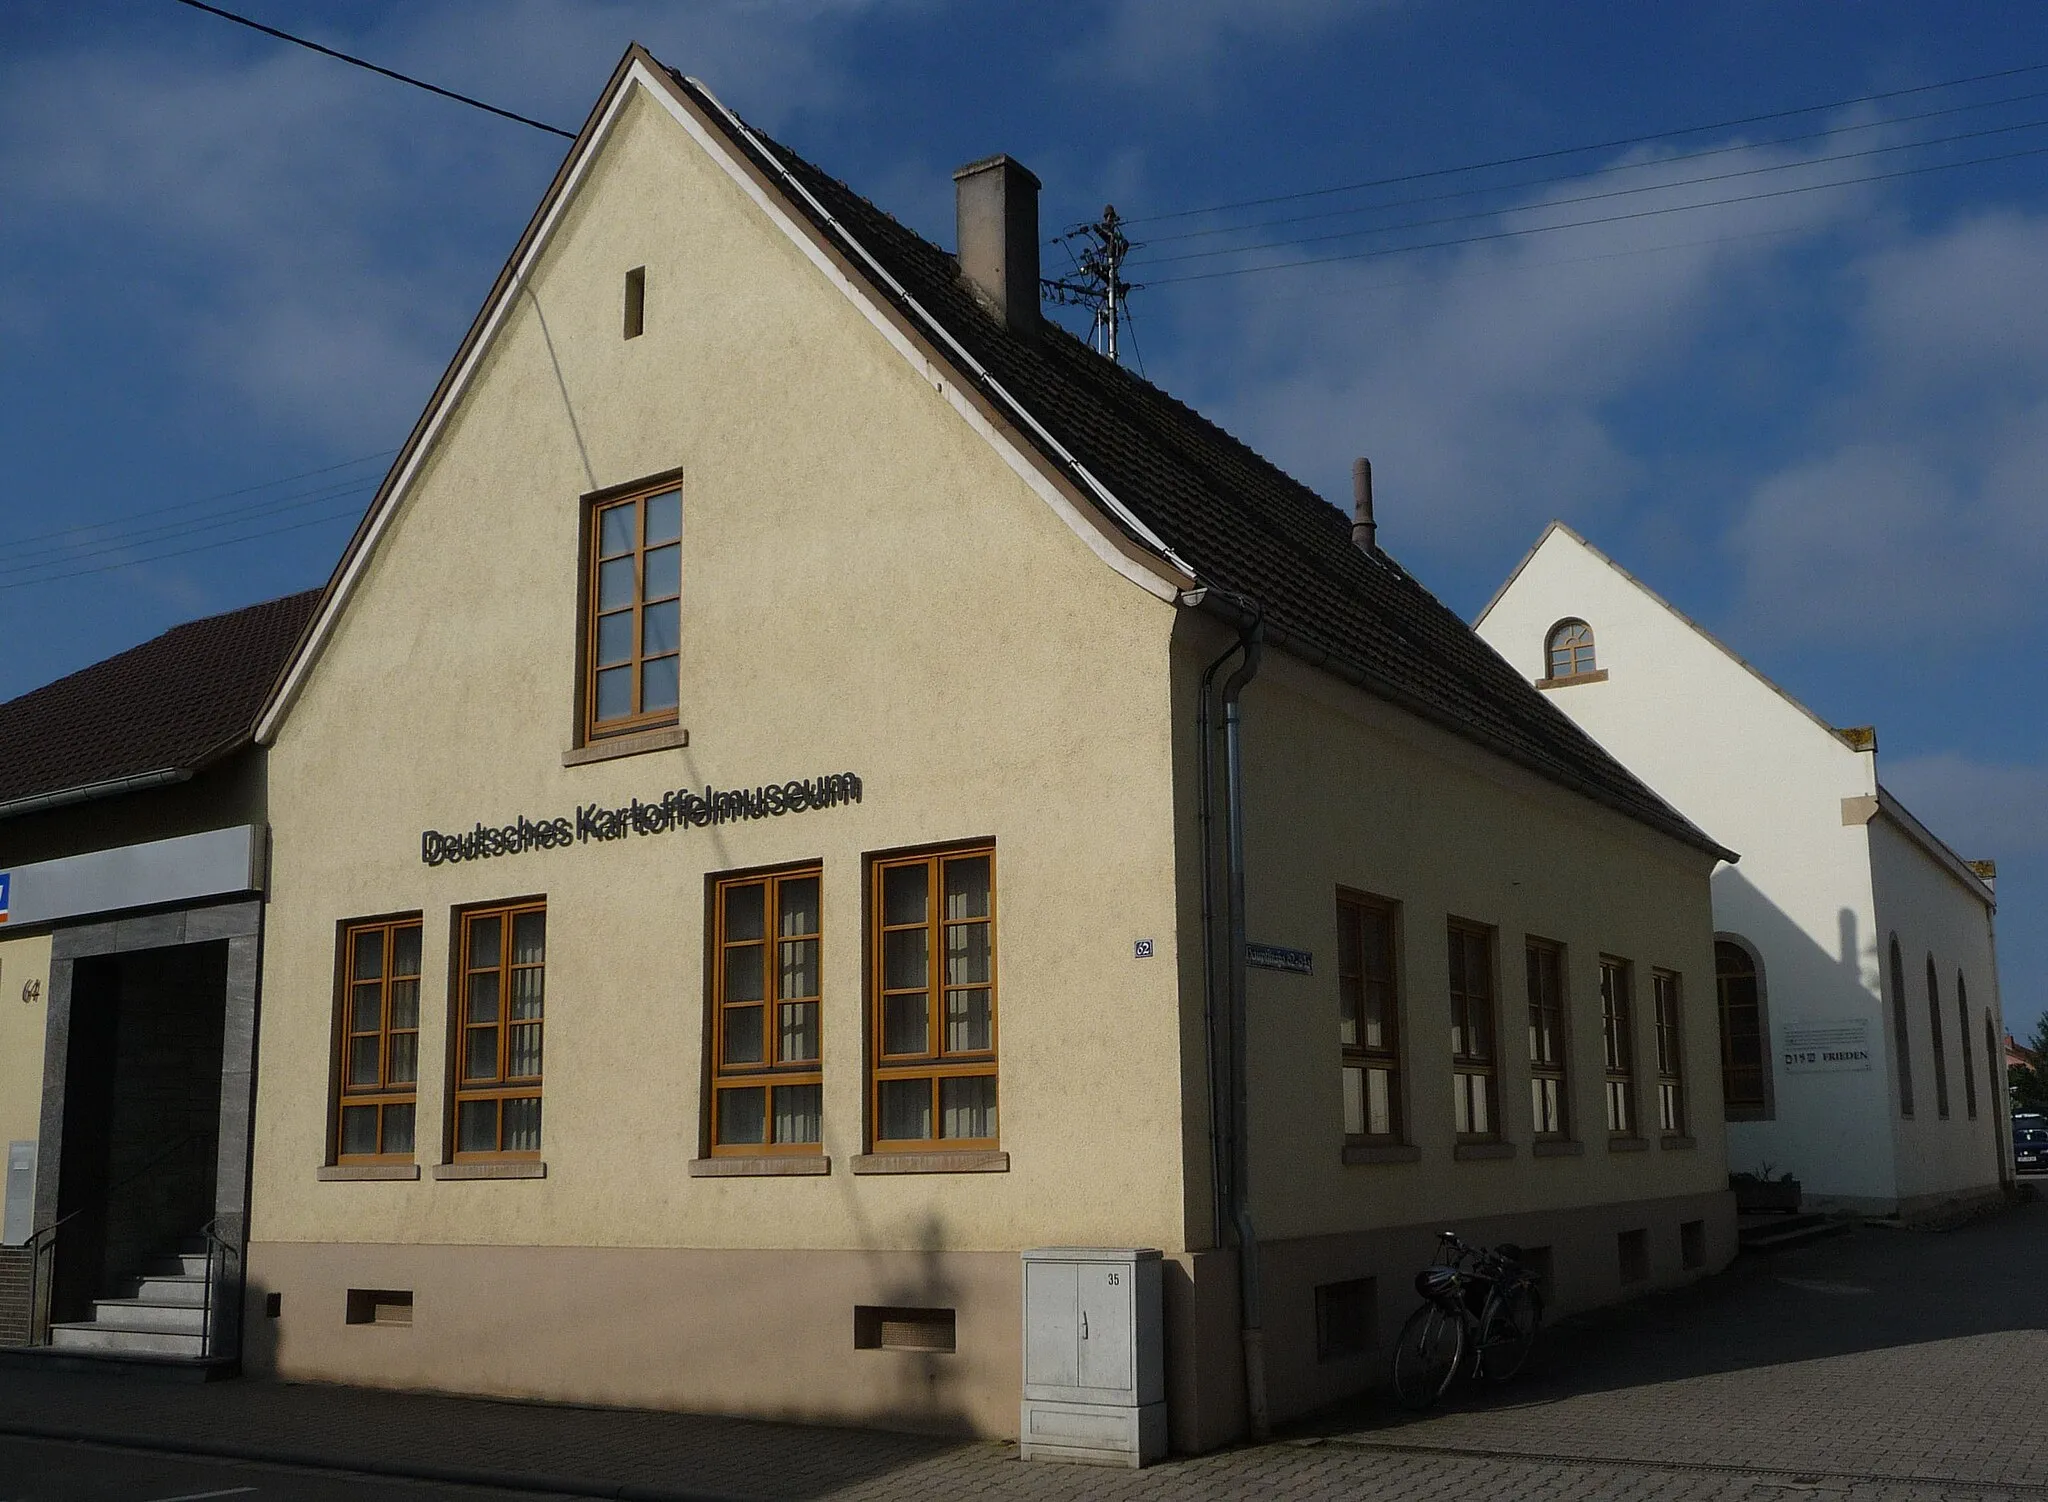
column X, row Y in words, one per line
column 6, row 884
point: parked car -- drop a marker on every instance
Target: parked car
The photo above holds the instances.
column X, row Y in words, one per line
column 2030, row 1143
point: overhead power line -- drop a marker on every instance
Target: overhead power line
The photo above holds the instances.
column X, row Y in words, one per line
column 13, row 544
column 1564, row 151
column 361, row 62
column 135, row 539
column 1546, row 229
column 48, row 554
column 204, row 547
column 1612, row 169
column 1652, row 187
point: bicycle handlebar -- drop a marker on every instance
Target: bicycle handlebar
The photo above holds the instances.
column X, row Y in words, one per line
column 1485, row 1256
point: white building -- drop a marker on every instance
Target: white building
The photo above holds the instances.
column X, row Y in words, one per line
column 1856, row 967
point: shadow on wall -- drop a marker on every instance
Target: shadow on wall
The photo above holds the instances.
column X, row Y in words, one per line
column 910, row 1335
column 600, row 1448
column 1791, row 965
column 1803, row 982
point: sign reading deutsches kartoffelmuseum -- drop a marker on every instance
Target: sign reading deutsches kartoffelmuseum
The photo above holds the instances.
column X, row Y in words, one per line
column 1827, row 1047
column 682, row 808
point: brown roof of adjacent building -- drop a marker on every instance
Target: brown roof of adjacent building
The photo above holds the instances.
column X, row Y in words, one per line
column 1243, row 523
column 175, row 704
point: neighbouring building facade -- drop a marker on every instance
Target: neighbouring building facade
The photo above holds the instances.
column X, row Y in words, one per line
column 133, row 847
column 750, row 858
column 1855, row 960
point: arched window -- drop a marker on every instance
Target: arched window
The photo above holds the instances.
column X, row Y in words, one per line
column 1940, row 1054
column 1745, row 1077
column 1900, row 1039
column 1994, row 1064
column 1963, row 1035
column 1571, row 649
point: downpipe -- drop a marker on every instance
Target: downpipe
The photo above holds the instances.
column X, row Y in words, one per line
column 1250, row 1302
column 1215, row 1040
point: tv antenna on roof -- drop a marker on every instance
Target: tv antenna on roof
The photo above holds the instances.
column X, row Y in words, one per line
column 1097, row 282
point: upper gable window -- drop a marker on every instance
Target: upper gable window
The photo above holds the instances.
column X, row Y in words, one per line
column 1571, row 650
column 633, row 632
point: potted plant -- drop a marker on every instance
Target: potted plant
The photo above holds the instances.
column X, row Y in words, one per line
column 1765, row 1190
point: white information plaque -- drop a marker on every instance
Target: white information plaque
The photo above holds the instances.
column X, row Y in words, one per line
column 1826, row 1047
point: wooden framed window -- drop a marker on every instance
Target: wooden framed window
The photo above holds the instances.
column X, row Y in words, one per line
column 633, row 632
column 1549, row 1099
column 1901, row 1041
column 766, row 1089
column 1940, row 1053
column 1664, row 1003
column 501, row 959
column 933, row 1028
column 1739, row 991
column 1570, row 649
column 378, row 1029
column 1963, row 1035
column 1617, row 1029
column 1475, row 1099
column 1368, row 1017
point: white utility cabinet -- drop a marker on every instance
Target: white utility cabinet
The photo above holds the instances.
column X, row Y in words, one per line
column 1094, row 1356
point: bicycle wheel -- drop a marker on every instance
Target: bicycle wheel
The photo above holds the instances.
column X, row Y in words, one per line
column 1507, row 1330
column 1427, row 1356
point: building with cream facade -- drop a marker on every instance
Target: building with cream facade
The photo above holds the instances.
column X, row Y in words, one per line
column 1857, row 972
column 753, row 829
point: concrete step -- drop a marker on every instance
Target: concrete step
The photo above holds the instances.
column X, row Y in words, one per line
column 149, row 1314
column 183, row 1265
column 1787, row 1231
column 171, row 1288
column 118, row 1363
column 113, row 1339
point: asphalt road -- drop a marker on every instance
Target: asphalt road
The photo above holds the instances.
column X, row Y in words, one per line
column 41, row 1470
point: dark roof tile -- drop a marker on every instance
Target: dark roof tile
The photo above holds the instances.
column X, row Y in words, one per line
column 1243, row 523
column 176, row 702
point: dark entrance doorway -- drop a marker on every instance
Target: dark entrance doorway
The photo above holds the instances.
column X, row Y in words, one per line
column 142, row 1113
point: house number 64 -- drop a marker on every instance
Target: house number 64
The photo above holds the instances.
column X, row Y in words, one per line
column 31, row 992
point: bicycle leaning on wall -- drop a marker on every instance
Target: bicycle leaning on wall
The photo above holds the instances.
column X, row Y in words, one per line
column 1480, row 1311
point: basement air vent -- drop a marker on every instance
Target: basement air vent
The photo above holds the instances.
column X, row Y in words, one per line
column 1633, row 1249
column 380, row 1306
column 1346, row 1318
column 882, row 1328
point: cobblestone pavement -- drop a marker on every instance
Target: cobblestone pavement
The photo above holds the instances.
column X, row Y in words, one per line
column 1880, row 1367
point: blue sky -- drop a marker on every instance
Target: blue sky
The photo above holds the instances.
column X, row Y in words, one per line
column 1816, row 421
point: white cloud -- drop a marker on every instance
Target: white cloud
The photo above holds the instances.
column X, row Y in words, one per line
column 308, row 240
column 1917, row 511
column 1481, row 378
column 1185, row 43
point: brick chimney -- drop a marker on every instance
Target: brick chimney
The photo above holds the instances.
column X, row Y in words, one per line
column 996, row 201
